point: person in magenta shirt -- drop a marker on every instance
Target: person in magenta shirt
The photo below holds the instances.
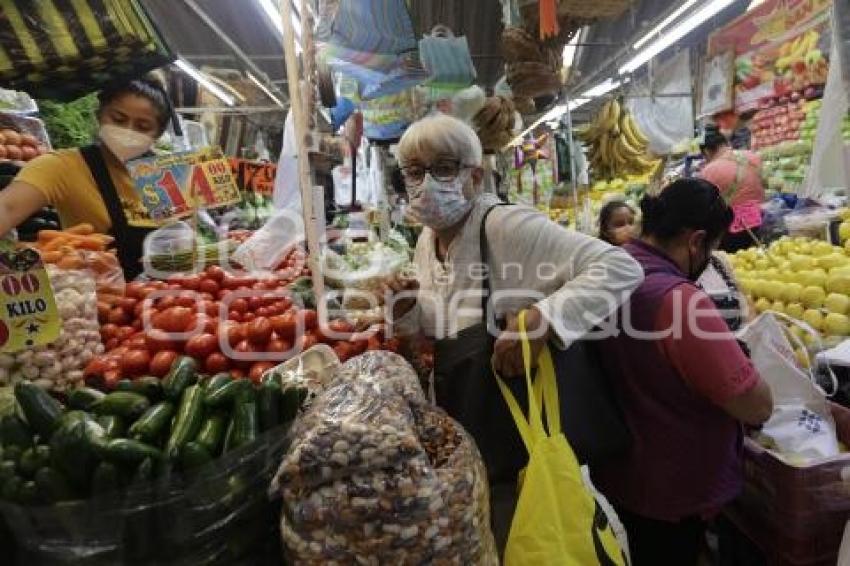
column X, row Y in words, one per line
column 737, row 173
column 683, row 382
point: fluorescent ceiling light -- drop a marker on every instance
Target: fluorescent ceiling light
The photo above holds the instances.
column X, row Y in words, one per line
column 578, row 103
column 273, row 12
column 666, row 22
column 570, row 50
column 601, row 89
column 755, row 4
column 204, row 81
column 677, row 33
column 265, row 89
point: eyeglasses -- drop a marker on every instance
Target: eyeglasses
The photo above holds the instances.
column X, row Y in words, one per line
column 444, row 171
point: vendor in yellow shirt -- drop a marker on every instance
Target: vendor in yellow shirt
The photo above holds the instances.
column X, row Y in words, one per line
column 91, row 184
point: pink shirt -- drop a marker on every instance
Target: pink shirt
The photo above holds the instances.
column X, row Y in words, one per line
column 723, row 172
column 716, row 369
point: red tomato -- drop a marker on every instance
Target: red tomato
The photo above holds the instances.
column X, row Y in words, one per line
column 191, row 282
column 358, row 346
column 202, row 324
column 188, row 299
column 166, row 302
column 128, row 304
column 246, row 352
column 215, row 273
column 208, row 286
column 124, row 332
column 310, row 318
column 238, row 373
column 135, row 363
column 259, row 331
column 392, row 345
column 137, row 342
column 343, row 351
column 306, row 342
column 158, row 340
column 206, row 296
column 202, row 346
column 284, row 304
column 285, row 325
column 139, row 309
column 221, row 295
column 262, row 312
column 239, row 305
column 173, row 287
column 258, row 369
column 273, row 310
column 248, row 317
column 373, row 343
column 209, row 308
column 232, row 332
column 176, row 319
column 111, row 344
column 254, row 303
column 138, row 325
column 110, row 379
column 134, row 290
column 216, row 363
column 235, row 316
column 108, row 331
column 118, row 316
column 162, row 362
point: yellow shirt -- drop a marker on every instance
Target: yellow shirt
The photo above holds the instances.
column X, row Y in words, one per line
column 66, row 181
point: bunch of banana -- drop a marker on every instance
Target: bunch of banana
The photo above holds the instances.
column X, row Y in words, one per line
column 615, row 144
column 802, row 50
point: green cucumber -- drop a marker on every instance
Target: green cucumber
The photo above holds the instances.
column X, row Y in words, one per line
column 225, row 395
column 130, row 452
column 124, row 385
column 149, row 386
column 290, row 403
column 83, row 398
column 144, row 471
column 74, row 449
column 113, row 426
column 183, row 373
column 217, row 381
column 245, row 420
column 153, row 423
column 268, row 403
column 187, row 423
column 41, row 411
column 52, row 485
column 122, row 404
column 212, row 432
column 194, row 456
column 14, row 432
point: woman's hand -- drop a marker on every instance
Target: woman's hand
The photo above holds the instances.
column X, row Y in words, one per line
column 507, row 353
column 400, row 285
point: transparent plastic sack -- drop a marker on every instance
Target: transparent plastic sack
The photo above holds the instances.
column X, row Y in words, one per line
column 363, row 269
column 59, row 366
column 270, row 244
column 810, row 221
column 166, row 247
column 223, row 515
column 376, row 474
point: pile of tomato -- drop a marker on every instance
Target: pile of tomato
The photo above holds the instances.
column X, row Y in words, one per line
column 229, row 323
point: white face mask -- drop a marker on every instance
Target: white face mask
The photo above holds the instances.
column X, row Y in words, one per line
column 440, row 205
column 123, row 143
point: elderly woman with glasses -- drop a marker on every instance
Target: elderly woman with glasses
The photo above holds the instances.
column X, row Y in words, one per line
column 477, row 255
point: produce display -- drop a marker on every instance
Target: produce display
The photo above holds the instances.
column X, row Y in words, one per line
column 59, row 366
column 98, row 443
column 374, row 469
column 809, row 280
column 616, row 146
column 793, row 118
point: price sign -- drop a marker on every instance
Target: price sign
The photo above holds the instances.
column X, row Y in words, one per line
column 747, row 216
column 254, row 176
column 172, row 186
column 28, row 317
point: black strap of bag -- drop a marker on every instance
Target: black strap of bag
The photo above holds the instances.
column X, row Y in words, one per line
column 130, row 239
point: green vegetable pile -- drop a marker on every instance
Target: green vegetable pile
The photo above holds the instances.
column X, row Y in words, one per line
column 71, row 124
column 145, row 429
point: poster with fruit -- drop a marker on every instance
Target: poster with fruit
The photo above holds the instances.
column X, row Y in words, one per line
column 781, row 49
column 172, row 186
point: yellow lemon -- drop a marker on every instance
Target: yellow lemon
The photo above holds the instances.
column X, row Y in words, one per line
column 836, row 324
column 813, row 297
column 837, row 303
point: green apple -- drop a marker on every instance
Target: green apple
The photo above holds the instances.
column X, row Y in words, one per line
column 795, row 310
column 813, row 318
column 836, row 324
column 813, row 297
column 837, row 303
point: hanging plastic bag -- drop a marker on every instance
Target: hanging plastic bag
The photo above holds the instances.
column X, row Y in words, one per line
column 446, row 57
column 272, row 243
column 559, row 518
column 801, row 424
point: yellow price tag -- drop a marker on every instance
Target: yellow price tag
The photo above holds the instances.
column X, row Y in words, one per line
column 28, row 314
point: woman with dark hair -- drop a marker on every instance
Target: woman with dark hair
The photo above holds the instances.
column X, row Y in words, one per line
column 682, row 381
column 737, row 173
column 91, row 184
column 616, row 223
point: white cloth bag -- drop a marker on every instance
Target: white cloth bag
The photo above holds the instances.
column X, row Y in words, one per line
column 801, row 424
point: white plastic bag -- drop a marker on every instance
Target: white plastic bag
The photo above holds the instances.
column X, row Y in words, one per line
column 270, row 244
column 801, row 424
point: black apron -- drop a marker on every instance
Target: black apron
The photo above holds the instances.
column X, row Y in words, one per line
column 129, row 239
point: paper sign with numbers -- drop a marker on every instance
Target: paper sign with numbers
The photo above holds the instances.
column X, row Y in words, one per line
column 29, row 316
column 172, row 186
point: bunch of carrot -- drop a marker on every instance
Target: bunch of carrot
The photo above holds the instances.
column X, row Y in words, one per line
column 79, row 247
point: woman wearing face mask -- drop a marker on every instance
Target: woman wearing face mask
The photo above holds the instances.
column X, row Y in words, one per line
column 616, row 223
column 472, row 245
column 91, row 184
column 682, row 381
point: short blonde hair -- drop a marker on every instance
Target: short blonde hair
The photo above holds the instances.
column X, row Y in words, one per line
column 441, row 135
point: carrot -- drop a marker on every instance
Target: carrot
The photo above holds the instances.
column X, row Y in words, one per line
column 55, row 244
column 51, row 257
column 88, row 243
column 105, row 238
column 71, row 262
column 45, row 236
column 84, row 229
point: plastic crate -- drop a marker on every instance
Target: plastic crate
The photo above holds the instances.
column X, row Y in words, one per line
column 796, row 514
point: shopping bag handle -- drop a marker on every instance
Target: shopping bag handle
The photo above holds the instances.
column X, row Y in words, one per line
column 800, row 345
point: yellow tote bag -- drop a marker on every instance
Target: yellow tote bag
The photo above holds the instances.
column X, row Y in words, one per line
column 558, row 521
